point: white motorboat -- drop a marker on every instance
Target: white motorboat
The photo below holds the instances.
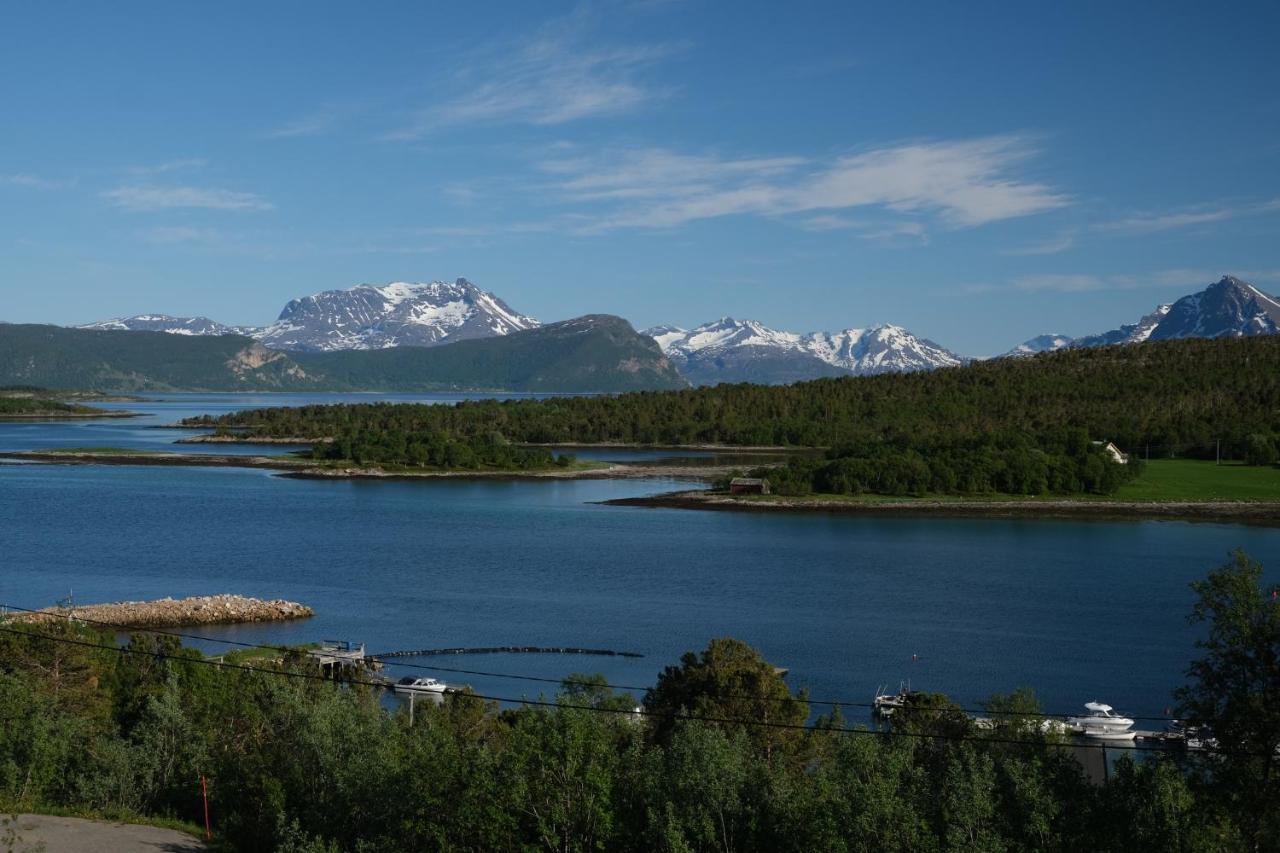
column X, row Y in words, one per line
column 1102, row 723
column 408, row 685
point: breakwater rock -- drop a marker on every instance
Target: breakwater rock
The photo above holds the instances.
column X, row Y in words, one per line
column 173, row 613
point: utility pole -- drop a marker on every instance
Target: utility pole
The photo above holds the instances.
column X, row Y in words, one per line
column 411, row 710
column 1218, row 458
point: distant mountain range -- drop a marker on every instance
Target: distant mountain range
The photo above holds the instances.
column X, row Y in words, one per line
column 730, row 350
column 165, row 323
column 1228, row 308
column 593, row 354
column 428, row 315
column 363, row 317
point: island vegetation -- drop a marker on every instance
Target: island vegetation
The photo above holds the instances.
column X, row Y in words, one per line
column 22, row 402
column 437, row 451
column 1023, row 427
column 721, row 756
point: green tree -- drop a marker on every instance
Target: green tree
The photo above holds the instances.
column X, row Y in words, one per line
column 733, row 684
column 1235, row 688
column 1259, row 450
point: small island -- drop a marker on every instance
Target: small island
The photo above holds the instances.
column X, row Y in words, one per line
column 31, row 403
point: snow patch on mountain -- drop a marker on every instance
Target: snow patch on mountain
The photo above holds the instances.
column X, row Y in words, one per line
column 1040, row 343
column 747, row 350
column 397, row 314
column 171, row 325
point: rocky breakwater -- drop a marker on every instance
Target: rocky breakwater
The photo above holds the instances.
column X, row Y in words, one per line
column 173, row 613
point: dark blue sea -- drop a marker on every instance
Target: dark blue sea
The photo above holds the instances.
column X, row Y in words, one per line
column 1076, row 610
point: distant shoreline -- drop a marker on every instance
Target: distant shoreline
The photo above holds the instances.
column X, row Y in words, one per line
column 67, row 416
column 1263, row 513
column 306, row 469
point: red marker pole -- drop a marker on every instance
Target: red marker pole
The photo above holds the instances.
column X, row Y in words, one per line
column 204, row 792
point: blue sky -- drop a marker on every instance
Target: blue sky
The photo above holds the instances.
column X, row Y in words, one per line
column 978, row 175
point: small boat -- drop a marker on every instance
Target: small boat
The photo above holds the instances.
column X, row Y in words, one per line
column 409, row 684
column 1102, row 723
column 886, row 703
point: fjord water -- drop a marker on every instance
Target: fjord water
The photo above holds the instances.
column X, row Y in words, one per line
column 1077, row 610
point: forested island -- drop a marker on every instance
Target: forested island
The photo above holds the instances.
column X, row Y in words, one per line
column 19, row 402
column 720, row 755
column 1074, row 422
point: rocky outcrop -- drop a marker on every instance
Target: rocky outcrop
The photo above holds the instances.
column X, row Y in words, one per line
column 173, row 613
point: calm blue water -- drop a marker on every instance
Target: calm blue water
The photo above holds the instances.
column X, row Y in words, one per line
column 1077, row 610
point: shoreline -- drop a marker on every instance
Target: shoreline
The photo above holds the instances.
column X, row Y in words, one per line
column 213, row 438
column 1261, row 513
column 305, row 469
column 68, row 416
column 231, row 439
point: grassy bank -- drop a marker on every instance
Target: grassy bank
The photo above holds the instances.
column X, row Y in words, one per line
column 1196, row 480
column 1163, row 481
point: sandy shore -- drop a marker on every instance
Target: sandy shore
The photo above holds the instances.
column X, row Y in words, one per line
column 1233, row 512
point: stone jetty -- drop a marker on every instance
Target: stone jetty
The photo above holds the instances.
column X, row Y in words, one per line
column 174, row 613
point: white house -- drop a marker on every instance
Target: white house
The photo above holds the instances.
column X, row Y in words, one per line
column 1116, row 454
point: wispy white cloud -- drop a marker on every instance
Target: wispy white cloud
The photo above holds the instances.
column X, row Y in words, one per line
column 169, row 166
column 560, row 74
column 886, row 233
column 313, row 124
column 143, row 198
column 961, row 183
column 1148, row 223
column 1052, row 246
column 27, row 180
column 1061, row 282
column 168, row 235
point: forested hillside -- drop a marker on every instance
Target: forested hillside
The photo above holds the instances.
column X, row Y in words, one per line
column 597, row 354
column 1177, row 397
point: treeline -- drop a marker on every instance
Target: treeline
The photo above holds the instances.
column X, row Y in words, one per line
column 437, row 450
column 1062, row 462
column 1180, row 397
column 722, row 758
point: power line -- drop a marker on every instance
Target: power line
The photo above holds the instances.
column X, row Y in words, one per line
column 565, row 681
column 591, row 708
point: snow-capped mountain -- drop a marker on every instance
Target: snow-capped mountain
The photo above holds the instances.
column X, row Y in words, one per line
column 1130, row 333
column 1040, row 343
column 399, row 314
column 172, row 325
column 730, row 350
column 1228, row 308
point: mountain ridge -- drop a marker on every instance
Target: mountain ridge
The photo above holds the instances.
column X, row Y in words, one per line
column 592, row 354
column 729, row 350
column 1229, row 307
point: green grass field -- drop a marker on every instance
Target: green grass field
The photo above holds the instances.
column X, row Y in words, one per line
column 1194, row 480
column 1163, row 480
